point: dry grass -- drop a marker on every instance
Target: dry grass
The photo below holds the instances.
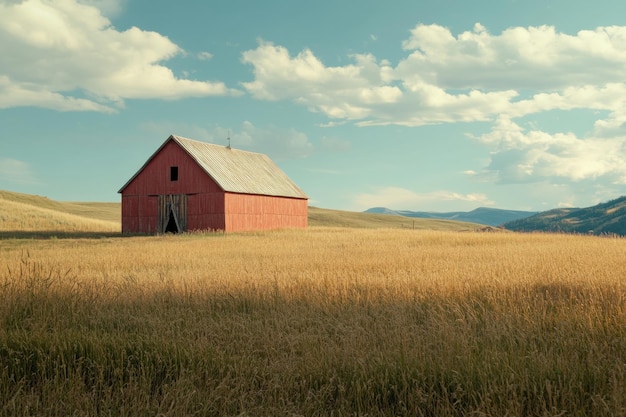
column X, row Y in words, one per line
column 328, row 321
column 21, row 214
column 93, row 210
column 340, row 218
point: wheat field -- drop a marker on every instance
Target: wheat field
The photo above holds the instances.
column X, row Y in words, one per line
column 326, row 321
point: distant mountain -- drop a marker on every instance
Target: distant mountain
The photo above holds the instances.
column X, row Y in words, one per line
column 603, row 218
column 481, row 215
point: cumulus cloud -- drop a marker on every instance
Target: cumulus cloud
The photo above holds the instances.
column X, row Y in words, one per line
column 535, row 58
column 529, row 156
column 398, row 198
column 366, row 91
column 13, row 95
column 347, row 92
column 66, row 55
column 107, row 7
column 474, row 76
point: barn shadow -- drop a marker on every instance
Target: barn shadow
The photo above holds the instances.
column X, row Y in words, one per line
column 55, row 234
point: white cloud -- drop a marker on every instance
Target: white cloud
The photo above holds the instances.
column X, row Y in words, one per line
column 610, row 96
column 69, row 53
column 109, row 8
column 13, row 171
column 13, row 95
column 205, row 56
column 365, row 91
column 535, row 58
column 530, row 156
column 397, row 198
column 474, row 76
column 347, row 92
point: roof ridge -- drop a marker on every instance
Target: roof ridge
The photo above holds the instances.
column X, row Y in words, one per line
column 177, row 137
column 234, row 170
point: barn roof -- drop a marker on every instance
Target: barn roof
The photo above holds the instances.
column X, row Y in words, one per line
column 235, row 170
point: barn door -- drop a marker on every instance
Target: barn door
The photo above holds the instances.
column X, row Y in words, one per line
column 172, row 213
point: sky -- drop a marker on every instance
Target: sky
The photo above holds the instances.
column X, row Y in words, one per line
column 439, row 106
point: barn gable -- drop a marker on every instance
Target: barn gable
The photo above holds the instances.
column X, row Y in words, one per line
column 192, row 185
column 234, row 170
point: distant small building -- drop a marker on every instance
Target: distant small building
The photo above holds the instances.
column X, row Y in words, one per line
column 190, row 185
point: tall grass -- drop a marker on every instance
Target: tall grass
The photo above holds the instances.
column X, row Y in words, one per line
column 319, row 322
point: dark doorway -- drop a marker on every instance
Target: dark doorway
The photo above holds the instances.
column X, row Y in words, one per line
column 172, row 213
column 171, row 227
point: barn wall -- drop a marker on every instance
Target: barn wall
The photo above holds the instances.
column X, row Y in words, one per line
column 208, row 207
column 139, row 214
column 206, row 212
column 258, row 212
column 154, row 179
column 205, row 204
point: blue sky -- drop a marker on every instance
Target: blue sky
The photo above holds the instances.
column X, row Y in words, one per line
column 437, row 106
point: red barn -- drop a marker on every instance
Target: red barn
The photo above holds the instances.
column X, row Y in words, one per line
column 189, row 185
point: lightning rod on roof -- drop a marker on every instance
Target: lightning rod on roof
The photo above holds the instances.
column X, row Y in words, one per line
column 228, row 139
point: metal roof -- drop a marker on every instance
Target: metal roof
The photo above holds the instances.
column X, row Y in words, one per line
column 235, row 170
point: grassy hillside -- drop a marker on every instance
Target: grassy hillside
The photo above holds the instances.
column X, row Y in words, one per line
column 482, row 215
column 604, row 218
column 338, row 218
column 94, row 210
column 25, row 212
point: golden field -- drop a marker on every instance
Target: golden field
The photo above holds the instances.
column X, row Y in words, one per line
column 24, row 215
column 324, row 321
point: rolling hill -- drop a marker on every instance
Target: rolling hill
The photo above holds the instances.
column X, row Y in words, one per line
column 31, row 216
column 21, row 213
column 338, row 218
column 482, row 215
column 604, row 218
column 99, row 211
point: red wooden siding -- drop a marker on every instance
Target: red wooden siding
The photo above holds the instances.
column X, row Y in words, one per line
column 139, row 214
column 139, row 198
column 206, row 212
column 154, row 179
column 208, row 207
column 260, row 212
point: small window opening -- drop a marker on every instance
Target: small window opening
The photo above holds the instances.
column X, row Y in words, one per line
column 173, row 173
